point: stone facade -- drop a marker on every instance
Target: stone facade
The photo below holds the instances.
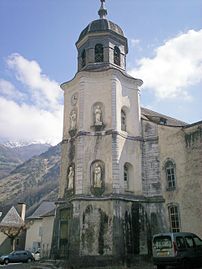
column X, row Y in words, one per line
column 117, row 181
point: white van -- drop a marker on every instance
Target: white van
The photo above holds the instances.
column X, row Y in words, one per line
column 177, row 249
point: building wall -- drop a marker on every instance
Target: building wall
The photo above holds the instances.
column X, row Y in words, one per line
column 34, row 235
column 174, row 144
column 5, row 244
column 47, row 233
column 192, row 191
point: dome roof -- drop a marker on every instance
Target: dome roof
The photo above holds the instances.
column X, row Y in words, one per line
column 101, row 25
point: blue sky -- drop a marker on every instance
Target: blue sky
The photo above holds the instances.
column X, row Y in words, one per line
column 38, row 53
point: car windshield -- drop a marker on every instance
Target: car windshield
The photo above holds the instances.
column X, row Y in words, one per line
column 161, row 242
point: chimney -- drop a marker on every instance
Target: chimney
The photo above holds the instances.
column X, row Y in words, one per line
column 22, row 210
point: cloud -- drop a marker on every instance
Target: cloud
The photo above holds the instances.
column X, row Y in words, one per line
column 8, row 90
column 177, row 64
column 45, row 92
column 21, row 119
column 25, row 122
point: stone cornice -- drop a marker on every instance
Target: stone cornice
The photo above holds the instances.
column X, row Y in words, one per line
column 120, row 197
column 80, row 74
column 107, row 132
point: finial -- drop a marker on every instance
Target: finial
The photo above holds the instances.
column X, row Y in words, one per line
column 102, row 11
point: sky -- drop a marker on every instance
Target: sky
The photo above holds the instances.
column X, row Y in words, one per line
column 38, row 53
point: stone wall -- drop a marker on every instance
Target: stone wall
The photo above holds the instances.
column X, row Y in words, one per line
column 184, row 147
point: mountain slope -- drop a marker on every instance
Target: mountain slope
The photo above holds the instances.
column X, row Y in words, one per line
column 10, row 158
column 33, row 180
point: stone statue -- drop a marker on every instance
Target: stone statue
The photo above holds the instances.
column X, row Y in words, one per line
column 97, row 176
column 70, row 177
column 73, row 117
column 98, row 115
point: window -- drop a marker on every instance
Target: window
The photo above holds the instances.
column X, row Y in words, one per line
column 123, row 120
column 40, row 231
column 99, row 55
column 163, row 121
column 170, row 175
column 197, row 241
column 180, row 242
column 117, row 55
column 83, row 58
column 164, row 242
column 126, row 176
column 174, row 218
column 189, row 241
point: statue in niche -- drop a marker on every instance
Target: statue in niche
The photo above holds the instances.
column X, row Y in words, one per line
column 98, row 115
column 97, row 176
column 73, row 118
column 70, row 178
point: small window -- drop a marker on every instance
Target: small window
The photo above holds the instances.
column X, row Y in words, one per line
column 99, row 53
column 83, row 58
column 126, row 176
column 163, row 121
column 174, row 218
column 123, row 120
column 170, row 175
column 162, row 242
column 189, row 241
column 117, row 55
column 180, row 242
column 197, row 241
column 40, row 231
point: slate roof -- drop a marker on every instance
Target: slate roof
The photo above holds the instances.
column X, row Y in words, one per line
column 157, row 117
column 44, row 208
column 12, row 219
column 101, row 25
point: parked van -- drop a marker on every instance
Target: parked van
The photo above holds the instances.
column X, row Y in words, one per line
column 180, row 249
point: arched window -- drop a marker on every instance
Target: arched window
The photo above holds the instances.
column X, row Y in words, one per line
column 123, row 120
column 83, row 58
column 126, row 176
column 117, row 55
column 99, row 55
column 173, row 212
column 170, row 175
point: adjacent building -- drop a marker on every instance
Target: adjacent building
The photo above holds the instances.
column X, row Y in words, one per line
column 40, row 228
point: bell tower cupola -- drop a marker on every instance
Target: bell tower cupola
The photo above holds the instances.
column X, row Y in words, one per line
column 102, row 44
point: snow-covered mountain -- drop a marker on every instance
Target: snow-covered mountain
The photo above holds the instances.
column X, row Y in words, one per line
column 22, row 143
column 14, row 153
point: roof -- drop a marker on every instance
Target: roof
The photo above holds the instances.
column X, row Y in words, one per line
column 12, row 219
column 101, row 25
column 44, row 208
column 156, row 117
column 49, row 214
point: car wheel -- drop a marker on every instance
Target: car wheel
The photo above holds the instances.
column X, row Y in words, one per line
column 6, row 261
column 29, row 260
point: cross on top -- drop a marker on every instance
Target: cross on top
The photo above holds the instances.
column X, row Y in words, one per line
column 102, row 11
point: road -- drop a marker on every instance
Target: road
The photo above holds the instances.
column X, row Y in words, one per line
column 16, row 266
column 143, row 265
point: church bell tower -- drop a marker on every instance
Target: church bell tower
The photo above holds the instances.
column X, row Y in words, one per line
column 101, row 175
